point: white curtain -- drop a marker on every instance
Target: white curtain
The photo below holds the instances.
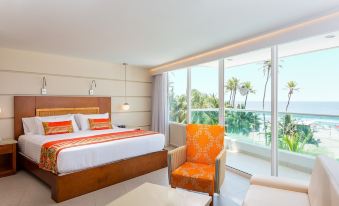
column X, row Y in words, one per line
column 159, row 105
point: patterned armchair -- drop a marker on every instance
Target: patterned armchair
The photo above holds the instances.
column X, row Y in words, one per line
column 200, row 164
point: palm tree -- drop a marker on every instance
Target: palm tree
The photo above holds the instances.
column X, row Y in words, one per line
column 198, row 99
column 291, row 86
column 232, row 86
column 229, row 88
column 247, row 86
column 235, row 88
column 181, row 109
column 267, row 65
column 213, row 101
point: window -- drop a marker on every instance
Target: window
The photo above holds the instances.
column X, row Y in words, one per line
column 204, row 93
column 308, row 102
column 308, row 105
column 177, row 86
column 247, row 110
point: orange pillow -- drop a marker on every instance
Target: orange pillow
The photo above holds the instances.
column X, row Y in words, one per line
column 62, row 127
column 100, row 124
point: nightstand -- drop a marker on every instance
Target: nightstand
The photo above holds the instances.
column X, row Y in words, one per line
column 7, row 157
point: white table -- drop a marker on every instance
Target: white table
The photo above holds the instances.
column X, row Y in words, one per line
column 156, row 195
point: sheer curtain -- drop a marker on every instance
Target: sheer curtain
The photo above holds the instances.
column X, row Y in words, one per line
column 159, row 105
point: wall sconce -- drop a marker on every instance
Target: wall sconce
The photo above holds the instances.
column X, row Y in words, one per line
column 44, row 86
column 93, row 86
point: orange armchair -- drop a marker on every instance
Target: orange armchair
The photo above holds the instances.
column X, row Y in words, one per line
column 200, row 164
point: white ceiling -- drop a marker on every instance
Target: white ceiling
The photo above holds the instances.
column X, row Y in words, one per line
column 144, row 32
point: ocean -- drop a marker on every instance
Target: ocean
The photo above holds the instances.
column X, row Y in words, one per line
column 316, row 108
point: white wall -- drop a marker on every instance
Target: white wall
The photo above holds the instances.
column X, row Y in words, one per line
column 21, row 73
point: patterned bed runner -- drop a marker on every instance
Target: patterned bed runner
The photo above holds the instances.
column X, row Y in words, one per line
column 51, row 150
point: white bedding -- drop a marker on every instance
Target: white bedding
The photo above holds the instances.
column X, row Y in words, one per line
column 87, row 156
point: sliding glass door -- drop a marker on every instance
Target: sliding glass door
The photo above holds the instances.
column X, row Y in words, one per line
column 308, row 104
column 247, row 96
column 283, row 140
column 204, row 93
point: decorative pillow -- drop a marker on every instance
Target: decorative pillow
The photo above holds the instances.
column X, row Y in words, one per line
column 59, row 118
column 100, row 124
column 62, row 127
column 82, row 119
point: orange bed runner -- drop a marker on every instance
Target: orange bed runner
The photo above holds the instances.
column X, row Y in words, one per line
column 50, row 150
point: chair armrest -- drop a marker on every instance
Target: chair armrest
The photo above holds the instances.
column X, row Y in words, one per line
column 220, row 167
column 280, row 183
column 175, row 158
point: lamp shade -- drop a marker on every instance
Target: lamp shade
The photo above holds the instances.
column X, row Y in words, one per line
column 125, row 106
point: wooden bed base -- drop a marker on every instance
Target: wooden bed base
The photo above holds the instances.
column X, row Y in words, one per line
column 71, row 185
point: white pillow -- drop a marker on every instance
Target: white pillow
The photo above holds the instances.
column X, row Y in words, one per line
column 29, row 124
column 60, row 118
column 82, row 119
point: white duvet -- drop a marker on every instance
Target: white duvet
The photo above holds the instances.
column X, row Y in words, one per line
column 87, row 156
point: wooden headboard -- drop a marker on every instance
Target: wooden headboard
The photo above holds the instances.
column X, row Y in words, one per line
column 30, row 106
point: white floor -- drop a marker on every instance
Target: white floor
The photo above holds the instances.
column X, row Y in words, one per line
column 23, row 189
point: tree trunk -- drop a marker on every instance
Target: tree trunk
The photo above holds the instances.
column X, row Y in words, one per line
column 246, row 100
column 229, row 101
column 288, row 102
column 234, row 94
column 263, row 99
column 263, row 106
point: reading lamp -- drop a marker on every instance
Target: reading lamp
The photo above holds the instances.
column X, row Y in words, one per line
column 125, row 106
column 44, row 86
column 93, row 86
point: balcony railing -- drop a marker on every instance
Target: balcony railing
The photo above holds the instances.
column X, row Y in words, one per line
column 307, row 134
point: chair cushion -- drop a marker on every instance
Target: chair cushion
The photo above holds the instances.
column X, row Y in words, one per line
column 194, row 176
column 266, row 196
column 204, row 143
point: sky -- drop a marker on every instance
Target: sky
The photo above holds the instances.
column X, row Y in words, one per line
column 316, row 74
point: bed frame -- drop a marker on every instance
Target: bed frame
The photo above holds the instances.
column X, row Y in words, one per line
column 67, row 186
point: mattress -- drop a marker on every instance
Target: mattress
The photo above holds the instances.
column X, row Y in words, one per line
column 87, row 156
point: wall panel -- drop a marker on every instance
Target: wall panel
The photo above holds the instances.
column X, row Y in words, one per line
column 6, row 105
column 26, row 61
column 138, row 104
column 7, row 128
column 137, row 74
column 139, row 89
column 21, row 73
column 132, row 118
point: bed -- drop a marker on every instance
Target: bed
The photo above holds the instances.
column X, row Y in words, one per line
column 85, row 168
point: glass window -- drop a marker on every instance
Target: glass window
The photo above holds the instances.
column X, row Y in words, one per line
column 204, row 93
column 247, row 86
column 308, row 103
column 177, row 84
